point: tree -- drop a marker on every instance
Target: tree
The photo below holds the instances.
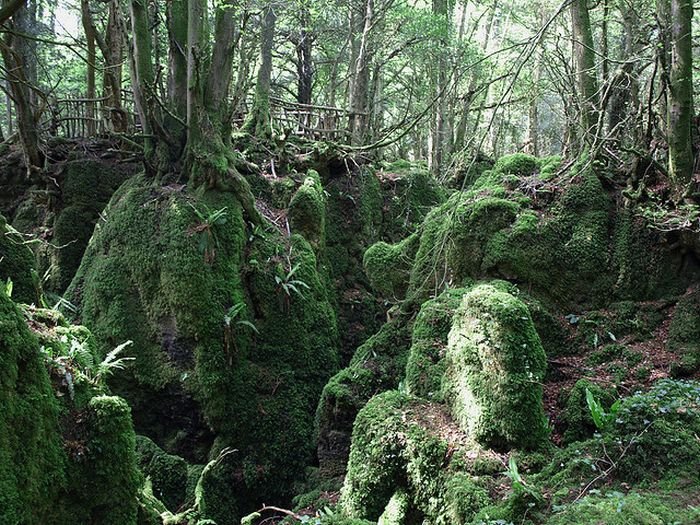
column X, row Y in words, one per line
column 201, row 68
column 675, row 17
column 587, row 82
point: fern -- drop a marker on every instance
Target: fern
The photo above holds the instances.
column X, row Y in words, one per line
column 110, row 364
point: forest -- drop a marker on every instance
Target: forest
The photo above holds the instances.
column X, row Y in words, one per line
column 349, row 262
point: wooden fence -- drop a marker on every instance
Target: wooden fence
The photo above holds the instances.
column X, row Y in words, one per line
column 82, row 117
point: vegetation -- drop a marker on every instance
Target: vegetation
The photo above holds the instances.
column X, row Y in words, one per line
column 349, row 263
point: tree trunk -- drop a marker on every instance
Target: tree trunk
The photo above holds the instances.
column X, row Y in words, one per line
column 112, row 47
column 90, row 93
column 439, row 137
column 304, row 48
column 680, row 98
column 21, row 75
column 587, row 83
column 359, row 95
column 259, row 121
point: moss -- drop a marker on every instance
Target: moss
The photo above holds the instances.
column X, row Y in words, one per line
column 85, row 190
column 576, row 416
column 32, row 460
column 388, row 266
column 684, row 333
column 17, row 264
column 615, row 508
column 307, row 210
column 397, row 510
column 454, row 240
column 426, row 365
column 401, row 469
column 409, row 194
column 168, row 473
column 145, row 263
column 378, row 365
column 549, row 167
column 519, row 164
column 105, row 488
column 494, row 369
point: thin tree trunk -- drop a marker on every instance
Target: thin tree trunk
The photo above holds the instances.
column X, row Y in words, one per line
column 259, row 121
column 584, row 56
column 91, row 92
column 680, row 98
column 304, row 49
column 359, row 95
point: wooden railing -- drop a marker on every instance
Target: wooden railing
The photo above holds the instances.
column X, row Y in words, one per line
column 324, row 123
column 82, row 117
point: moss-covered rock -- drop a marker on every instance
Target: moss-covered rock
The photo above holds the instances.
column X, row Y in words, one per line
column 307, row 210
column 495, row 365
column 684, row 332
column 377, row 366
column 576, row 417
column 168, row 473
column 400, row 466
column 17, row 264
column 519, row 164
column 228, row 323
column 32, row 460
column 388, row 266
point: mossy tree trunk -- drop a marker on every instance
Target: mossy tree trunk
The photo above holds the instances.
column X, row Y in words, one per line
column 676, row 17
column 587, row 82
column 19, row 56
column 359, row 93
column 189, row 134
column 259, row 121
column 90, row 93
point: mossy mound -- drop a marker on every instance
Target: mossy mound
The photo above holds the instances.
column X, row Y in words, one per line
column 576, row 417
column 400, row 466
column 564, row 242
column 228, row 323
column 63, row 459
column 31, row 455
column 616, row 508
column 307, row 210
column 494, row 369
column 388, row 266
column 168, row 473
column 684, row 333
column 353, row 222
column 17, row 264
column 377, row 366
column 409, row 192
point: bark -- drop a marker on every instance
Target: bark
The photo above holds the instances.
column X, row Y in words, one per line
column 439, row 132
column 21, row 75
column 680, row 98
column 304, row 52
column 112, row 48
column 90, row 36
column 259, row 121
column 359, row 95
column 587, row 83
column 142, row 73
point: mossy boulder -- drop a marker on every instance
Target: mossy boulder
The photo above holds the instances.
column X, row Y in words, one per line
column 388, row 266
column 32, row 460
column 307, row 210
column 168, row 473
column 684, row 332
column 63, row 460
column 378, row 365
column 400, row 466
column 86, row 188
column 494, row 369
column 409, row 192
column 17, row 264
column 519, row 164
column 228, row 323
column 576, row 418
